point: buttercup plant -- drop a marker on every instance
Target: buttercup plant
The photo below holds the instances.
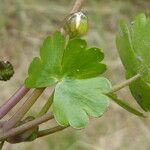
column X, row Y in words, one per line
column 75, row 74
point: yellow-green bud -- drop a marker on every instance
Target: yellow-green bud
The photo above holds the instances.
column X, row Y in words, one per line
column 76, row 24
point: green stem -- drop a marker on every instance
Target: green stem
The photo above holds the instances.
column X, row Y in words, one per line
column 125, row 83
column 47, row 105
column 50, row 131
column 76, row 7
column 46, row 117
column 126, row 106
column 23, row 110
column 118, row 101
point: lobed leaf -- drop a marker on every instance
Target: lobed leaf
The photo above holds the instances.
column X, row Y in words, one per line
column 75, row 99
column 45, row 71
column 57, row 61
column 134, row 49
column 141, row 42
column 73, row 69
column 80, row 62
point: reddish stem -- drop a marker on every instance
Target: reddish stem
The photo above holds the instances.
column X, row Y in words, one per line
column 13, row 100
column 18, row 130
column 23, row 109
column 77, row 6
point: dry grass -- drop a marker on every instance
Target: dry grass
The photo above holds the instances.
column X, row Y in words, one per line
column 23, row 26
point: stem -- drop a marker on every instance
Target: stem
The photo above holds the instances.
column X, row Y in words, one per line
column 126, row 106
column 77, row 6
column 47, row 117
column 13, row 100
column 22, row 110
column 46, row 107
column 125, row 83
column 118, row 101
column 25, row 127
column 2, row 123
column 1, row 145
column 50, row 131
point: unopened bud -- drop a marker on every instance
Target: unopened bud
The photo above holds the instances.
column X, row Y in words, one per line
column 6, row 70
column 76, row 24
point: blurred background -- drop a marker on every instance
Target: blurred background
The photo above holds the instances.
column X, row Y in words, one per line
column 23, row 26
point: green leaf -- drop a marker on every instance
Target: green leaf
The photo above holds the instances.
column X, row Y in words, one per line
column 45, row 71
column 141, row 92
column 73, row 68
column 75, row 99
column 57, row 61
column 80, row 62
column 134, row 49
column 125, row 49
column 141, row 42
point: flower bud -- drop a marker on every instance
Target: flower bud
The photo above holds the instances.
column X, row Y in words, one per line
column 6, row 70
column 76, row 24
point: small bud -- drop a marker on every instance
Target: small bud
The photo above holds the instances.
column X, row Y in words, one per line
column 76, row 24
column 26, row 136
column 6, row 70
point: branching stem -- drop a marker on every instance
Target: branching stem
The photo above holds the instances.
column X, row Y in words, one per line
column 9, row 124
column 25, row 127
column 46, row 117
column 125, row 83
